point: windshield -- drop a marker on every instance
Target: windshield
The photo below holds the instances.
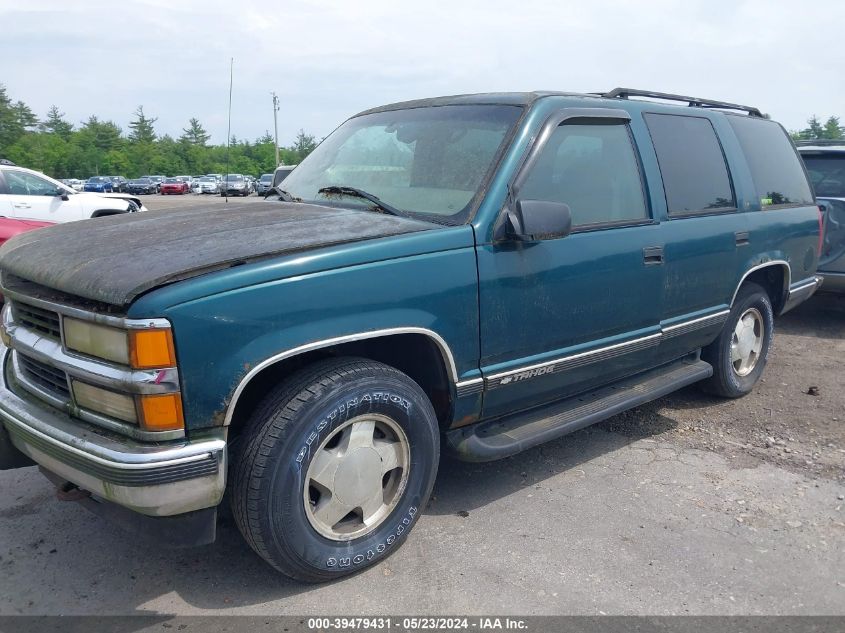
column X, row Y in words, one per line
column 234, row 177
column 98, row 179
column 207, row 179
column 173, row 181
column 429, row 160
column 140, row 181
column 827, row 173
column 266, row 177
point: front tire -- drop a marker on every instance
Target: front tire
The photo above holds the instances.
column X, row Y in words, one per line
column 740, row 353
column 336, row 465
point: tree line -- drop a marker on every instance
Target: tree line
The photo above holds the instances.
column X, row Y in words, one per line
column 57, row 147
column 816, row 130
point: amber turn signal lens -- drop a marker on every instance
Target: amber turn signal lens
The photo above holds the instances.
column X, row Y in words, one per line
column 151, row 349
column 161, row 412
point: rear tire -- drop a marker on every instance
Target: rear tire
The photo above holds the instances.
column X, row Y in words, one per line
column 292, row 494
column 740, row 353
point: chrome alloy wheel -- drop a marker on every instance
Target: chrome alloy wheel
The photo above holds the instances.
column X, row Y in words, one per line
column 356, row 477
column 747, row 342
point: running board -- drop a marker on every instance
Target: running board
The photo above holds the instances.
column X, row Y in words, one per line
column 502, row 437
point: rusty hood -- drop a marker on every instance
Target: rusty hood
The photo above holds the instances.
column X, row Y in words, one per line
column 117, row 258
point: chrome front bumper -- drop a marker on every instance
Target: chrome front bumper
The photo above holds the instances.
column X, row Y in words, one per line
column 157, row 479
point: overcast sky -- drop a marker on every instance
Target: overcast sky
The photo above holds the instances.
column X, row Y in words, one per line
column 328, row 60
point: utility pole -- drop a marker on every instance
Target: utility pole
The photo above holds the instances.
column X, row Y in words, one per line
column 276, row 126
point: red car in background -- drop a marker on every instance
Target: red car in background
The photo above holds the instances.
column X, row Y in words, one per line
column 174, row 185
column 10, row 227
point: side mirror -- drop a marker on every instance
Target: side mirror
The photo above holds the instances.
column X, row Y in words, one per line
column 533, row 220
column 61, row 193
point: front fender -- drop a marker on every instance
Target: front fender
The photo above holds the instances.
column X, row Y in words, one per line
column 221, row 338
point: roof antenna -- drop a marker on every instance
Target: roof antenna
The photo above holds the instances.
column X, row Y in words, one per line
column 228, row 131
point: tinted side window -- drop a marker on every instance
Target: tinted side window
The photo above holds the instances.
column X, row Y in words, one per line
column 775, row 167
column 594, row 170
column 827, row 173
column 692, row 165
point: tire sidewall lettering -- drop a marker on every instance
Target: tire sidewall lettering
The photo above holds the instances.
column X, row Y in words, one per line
column 346, row 409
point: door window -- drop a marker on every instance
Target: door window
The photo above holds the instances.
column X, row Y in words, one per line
column 21, row 183
column 692, row 165
column 593, row 169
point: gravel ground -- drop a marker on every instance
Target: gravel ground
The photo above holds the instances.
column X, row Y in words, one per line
column 794, row 419
column 159, row 202
column 689, row 505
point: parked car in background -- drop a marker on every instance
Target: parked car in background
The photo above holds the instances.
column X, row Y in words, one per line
column 234, row 185
column 141, row 186
column 264, row 184
column 157, row 180
column 99, row 184
column 118, row 183
column 209, row 184
column 174, row 186
column 9, row 227
column 825, row 163
column 523, row 266
column 282, row 172
column 74, row 183
column 30, row 195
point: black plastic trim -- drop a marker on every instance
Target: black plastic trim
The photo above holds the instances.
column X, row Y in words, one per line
column 502, row 437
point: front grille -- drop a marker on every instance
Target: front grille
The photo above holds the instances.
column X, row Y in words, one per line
column 50, row 379
column 44, row 321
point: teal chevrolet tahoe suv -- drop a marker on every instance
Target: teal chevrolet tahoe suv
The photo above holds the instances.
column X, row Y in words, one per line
column 474, row 274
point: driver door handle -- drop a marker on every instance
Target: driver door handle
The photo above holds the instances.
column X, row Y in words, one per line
column 22, row 205
column 653, row 255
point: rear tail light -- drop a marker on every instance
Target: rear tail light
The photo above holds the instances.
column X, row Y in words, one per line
column 821, row 228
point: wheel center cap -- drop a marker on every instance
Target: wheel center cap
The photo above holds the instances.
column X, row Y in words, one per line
column 358, row 476
column 746, row 341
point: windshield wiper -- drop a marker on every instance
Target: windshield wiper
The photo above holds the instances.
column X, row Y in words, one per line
column 360, row 193
column 284, row 196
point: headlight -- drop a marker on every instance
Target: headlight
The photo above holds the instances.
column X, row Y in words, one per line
column 152, row 412
column 97, row 340
column 110, row 403
column 140, row 349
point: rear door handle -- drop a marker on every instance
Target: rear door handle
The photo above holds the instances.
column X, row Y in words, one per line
column 741, row 238
column 22, row 205
column 653, row 255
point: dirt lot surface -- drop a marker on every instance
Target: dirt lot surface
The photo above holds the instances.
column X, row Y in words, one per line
column 689, row 505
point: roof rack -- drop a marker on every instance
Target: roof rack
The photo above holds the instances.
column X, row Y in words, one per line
column 821, row 142
column 624, row 93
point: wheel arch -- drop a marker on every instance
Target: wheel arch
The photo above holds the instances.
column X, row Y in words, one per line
column 420, row 353
column 101, row 213
column 774, row 276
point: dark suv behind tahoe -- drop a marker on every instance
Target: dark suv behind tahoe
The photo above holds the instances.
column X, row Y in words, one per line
column 825, row 161
column 475, row 274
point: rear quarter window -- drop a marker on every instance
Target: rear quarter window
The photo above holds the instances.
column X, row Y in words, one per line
column 776, row 169
column 692, row 164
